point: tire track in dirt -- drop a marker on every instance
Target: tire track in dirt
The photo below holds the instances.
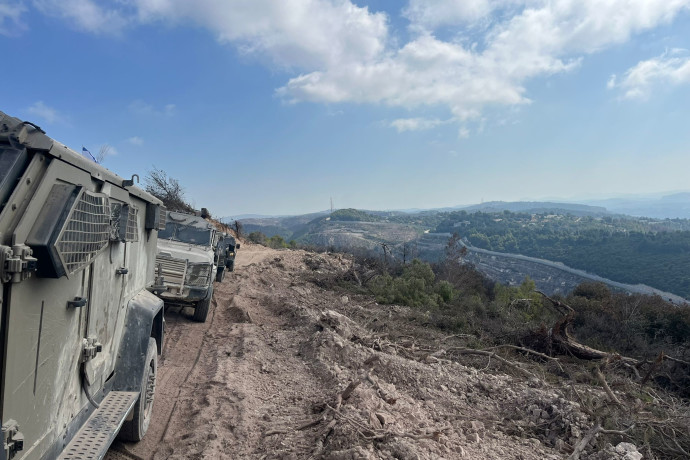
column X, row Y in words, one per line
column 187, row 387
column 191, row 369
column 198, row 409
column 226, row 389
column 182, row 352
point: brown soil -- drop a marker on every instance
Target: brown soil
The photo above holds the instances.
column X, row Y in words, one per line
column 266, row 376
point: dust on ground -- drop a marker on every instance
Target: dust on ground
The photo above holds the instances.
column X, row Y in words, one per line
column 286, row 369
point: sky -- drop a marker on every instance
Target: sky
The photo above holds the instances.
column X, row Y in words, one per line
column 276, row 106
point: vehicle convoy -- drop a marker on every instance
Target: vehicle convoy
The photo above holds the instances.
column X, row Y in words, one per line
column 186, row 261
column 227, row 250
column 80, row 332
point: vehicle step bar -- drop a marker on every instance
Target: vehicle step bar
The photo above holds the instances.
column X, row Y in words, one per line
column 94, row 438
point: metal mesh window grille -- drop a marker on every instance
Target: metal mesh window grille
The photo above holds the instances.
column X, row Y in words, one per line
column 163, row 217
column 85, row 233
column 115, row 214
column 133, row 224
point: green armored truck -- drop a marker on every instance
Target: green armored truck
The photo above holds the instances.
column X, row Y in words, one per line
column 186, row 261
column 79, row 331
column 227, row 250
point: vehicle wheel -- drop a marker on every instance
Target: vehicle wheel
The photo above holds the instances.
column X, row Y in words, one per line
column 201, row 309
column 135, row 429
column 232, row 266
column 220, row 275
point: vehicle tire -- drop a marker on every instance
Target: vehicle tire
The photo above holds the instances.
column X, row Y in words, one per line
column 135, row 429
column 231, row 267
column 201, row 308
column 220, row 275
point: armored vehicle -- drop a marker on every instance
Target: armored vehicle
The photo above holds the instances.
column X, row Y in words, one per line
column 227, row 250
column 79, row 331
column 186, row 261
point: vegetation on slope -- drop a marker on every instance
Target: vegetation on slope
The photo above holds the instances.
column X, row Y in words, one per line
column 457, row 298
column 635, row 384
column 629, row 250
column 354, row 215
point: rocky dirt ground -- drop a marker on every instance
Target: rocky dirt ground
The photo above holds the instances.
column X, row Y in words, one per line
column 287, row 368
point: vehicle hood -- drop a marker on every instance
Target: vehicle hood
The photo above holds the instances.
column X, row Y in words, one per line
column 190, row 252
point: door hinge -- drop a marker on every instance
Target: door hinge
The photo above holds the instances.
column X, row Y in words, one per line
column 90, row 348
column 16, row 263
column 13, row 439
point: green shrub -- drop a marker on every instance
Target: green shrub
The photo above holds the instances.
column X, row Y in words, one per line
column 257, row 237
column 415, row 287
column 276, row 242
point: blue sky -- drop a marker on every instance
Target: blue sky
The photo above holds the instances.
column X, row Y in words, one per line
column 274, row 106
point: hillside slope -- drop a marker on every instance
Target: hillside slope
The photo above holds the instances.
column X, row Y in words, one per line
column 286, row 368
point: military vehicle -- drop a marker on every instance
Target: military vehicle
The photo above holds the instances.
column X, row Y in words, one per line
column 79, row 331
column 227, row 250
column 186, row 261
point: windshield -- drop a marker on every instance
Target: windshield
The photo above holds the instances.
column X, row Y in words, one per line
column 186, row 234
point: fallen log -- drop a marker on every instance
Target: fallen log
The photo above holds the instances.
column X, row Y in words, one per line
column 561, row 338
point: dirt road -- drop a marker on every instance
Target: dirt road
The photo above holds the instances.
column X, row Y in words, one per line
column 204, row 378
column 287, row 368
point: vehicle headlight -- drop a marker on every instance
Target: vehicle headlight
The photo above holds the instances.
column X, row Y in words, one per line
column 198, row 274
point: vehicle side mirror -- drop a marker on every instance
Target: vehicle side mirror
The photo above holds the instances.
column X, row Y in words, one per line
column 237, row 246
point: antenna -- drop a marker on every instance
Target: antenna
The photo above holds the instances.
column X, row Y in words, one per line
column 331, row 205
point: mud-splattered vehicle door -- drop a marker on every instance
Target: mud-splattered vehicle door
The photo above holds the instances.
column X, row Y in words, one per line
column 77, row 250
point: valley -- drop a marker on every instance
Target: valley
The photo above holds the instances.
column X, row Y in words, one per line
column 558, row 245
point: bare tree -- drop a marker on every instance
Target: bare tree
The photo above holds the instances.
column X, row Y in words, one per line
column 103, row 152
column 455, row 249
column 168, row 190
column 385, row 256
column 239, row 228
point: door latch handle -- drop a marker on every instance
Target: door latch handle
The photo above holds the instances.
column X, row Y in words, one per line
column 78, row 302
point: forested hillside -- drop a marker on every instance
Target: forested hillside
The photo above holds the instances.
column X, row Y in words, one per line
column 627, row 249
column 631, row 250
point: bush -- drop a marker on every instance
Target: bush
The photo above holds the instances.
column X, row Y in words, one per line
column 415, row 287
column 637, row 325
column 593, row 291
column 257, row 237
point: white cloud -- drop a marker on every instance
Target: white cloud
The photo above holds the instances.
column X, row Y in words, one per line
column 445, row 12
column 135, row 140
column 143, row 108
column 611, row 83
column 10, row 17
column 671, row 68
column 86, row 14
column 346, row 53
column 416, row 124
column 292, row 33
column 41, row 110
column 425, row 72
column 542, row 38
column 429, row 15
